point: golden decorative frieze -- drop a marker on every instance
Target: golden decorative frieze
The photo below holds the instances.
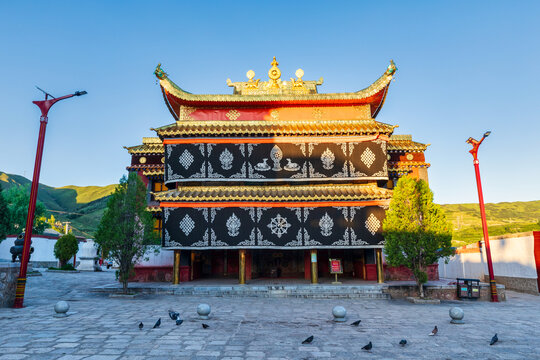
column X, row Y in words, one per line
column 404, row 143
column 149, row 146
column 336, row 192
column 232, row 115
column 185, row 112
column 274, row 128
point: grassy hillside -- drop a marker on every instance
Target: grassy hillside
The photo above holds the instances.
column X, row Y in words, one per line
column 83, row 206
column 80, row 205
column 502, row 218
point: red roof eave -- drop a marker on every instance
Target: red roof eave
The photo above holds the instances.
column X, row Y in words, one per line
column 376, row 101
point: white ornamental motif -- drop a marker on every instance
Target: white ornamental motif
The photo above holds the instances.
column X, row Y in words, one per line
column 279, row 225
column 327, row 159
column 368, row 157
column 226, row 159
column 186, row 159
column 233, row 225
column 276, row 155
column 187, row 225
column 372, row 224
column 326, row 223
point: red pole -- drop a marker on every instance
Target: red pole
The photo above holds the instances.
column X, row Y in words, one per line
column 21, row 280
column 44, row 106
column 474, row 152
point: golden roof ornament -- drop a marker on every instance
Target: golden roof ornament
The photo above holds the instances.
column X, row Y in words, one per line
column 274, row 73
column 160, row 74
column 275, row 86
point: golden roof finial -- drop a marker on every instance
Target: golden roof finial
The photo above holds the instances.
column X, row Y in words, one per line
column 274, row 73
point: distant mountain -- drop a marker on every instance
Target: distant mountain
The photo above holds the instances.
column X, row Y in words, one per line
column 83, row 206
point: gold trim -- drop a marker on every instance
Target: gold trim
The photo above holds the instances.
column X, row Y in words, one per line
column 379, row 84
column 273, row 128
column 344, row 192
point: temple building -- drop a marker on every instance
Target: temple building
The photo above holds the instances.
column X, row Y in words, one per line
column 274, row 179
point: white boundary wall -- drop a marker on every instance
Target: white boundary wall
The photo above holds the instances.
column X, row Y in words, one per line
column 512, row 256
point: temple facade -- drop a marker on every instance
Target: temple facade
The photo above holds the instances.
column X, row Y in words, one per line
column 274, row 179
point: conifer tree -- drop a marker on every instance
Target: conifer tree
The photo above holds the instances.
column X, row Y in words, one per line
column 126, row 228
column 416, row 230
column 4, row 216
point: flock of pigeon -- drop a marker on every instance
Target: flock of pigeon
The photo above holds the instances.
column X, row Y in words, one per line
column 402, row 342
column 176, row 317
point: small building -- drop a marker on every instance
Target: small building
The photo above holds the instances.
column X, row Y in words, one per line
column 274, row 179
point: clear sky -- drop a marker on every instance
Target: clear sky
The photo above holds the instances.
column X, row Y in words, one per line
column 464, row 67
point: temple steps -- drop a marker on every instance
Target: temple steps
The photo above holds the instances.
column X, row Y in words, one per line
column 265, row 291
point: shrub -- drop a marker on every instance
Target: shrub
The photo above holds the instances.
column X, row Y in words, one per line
column 65, row 248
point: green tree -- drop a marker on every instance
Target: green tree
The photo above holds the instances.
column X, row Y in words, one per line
column 4, row 216
column 65, row 248
column 18, row 199
column 126, row 228
column 416, row 231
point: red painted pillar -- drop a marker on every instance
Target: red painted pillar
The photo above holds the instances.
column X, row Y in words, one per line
column 307, row 265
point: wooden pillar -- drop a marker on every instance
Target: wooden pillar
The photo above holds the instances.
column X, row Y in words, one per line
column 314, row 271
column 307, row 265
column 242, row 267
column 379, row 261
column 176, row 268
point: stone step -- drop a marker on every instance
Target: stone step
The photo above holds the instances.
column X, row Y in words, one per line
column 313, row 291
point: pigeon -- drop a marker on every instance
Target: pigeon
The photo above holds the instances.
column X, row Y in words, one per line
column 368, row 346
column 205, row 326
column 434, row 331
column 494, row 339
column 403, row 342
column 179, row 321
column 158, row 323
column 308, row 340
column 141, row 325
column 356, row 323
column 173, row 315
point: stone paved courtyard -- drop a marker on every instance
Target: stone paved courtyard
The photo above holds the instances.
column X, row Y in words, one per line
column 256, row 328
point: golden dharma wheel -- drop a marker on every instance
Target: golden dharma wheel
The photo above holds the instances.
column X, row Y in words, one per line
column 142, row 160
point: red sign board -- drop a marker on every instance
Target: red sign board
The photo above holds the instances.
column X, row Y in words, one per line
column 335, row 266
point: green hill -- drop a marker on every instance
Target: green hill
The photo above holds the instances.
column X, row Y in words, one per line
column 502, row 218
column 83, row 206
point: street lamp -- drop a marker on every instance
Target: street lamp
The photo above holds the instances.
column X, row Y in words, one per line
column 474, row 151
column 44, row 106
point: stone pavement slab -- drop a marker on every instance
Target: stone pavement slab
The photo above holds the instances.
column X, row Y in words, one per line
column 102, row 328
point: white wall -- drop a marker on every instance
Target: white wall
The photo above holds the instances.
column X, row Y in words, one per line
column 163, row 258
column 513, row 256
column 468, row 265
column 43, row 249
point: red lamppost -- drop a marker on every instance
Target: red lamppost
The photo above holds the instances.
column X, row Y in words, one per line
column 474, row 151
column 44, row 106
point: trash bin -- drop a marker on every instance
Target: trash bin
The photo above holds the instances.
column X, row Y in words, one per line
column 468, row 288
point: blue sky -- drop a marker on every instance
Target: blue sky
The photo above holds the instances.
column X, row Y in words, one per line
column 464, row 67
